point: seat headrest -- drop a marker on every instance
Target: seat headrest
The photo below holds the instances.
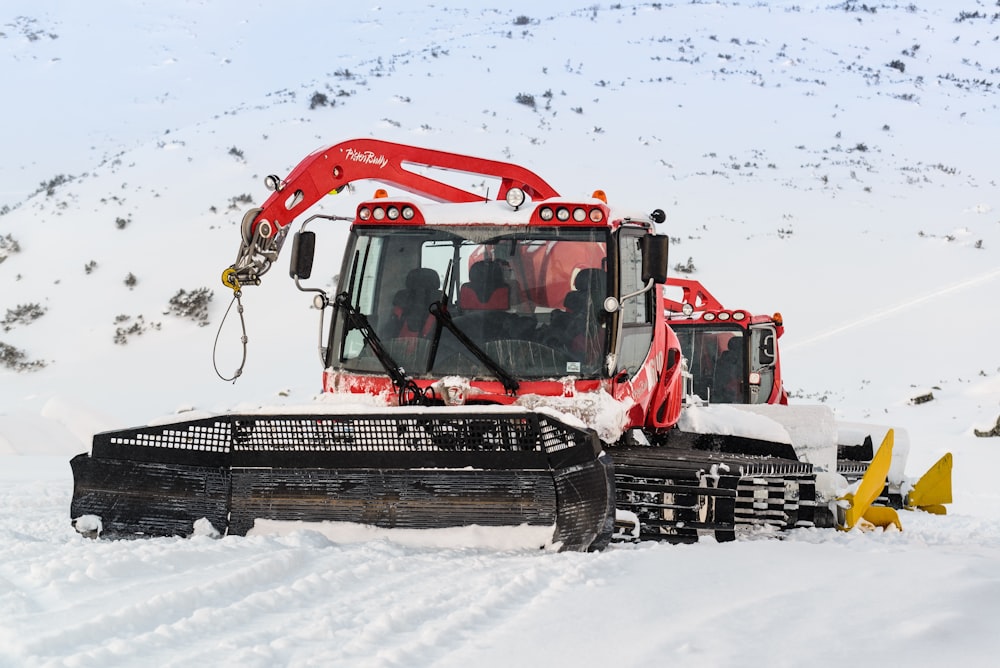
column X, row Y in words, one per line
column 486, row 276
column 486, row 271
column 593, row 280
column 575, row 301
column 423, row 278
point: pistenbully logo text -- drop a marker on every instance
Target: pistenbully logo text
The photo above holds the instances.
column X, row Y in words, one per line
column 367, row 157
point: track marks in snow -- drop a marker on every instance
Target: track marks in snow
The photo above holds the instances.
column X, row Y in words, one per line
column 381, row 605
column 180, row 583
column 268, row 600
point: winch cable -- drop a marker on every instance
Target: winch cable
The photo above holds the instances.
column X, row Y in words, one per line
column 229, row 279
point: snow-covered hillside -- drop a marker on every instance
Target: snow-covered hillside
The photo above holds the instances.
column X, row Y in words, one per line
column 831, row 161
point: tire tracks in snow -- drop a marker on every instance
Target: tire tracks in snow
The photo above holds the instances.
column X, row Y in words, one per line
column 370, row 604
column 190, row 582
column 395, row 606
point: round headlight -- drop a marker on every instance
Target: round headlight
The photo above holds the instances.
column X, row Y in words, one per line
column 739, row 315
column 408, row 213
column 562, row 213
column 545, row 213
column 708, row 316
column 515, row 197
column 364, row 213
column 596, row 215
column 579, row 215
column 687, row 309
column 724, row 315
column 378, row 213
column 392, row 213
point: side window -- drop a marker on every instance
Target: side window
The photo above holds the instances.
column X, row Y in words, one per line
column 636, row 312
column 364, row 269
column 366, row 281
column 762, row 361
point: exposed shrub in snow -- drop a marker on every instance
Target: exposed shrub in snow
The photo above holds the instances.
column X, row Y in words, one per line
column 22, row 314
column 688, row 268
column 13, row 358
column 193, row 305
column 49, row 187
column 127, row 327
column 240, row 202
column 995, row 431
column 8, row 246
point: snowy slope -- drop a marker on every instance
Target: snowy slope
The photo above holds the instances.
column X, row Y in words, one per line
column 834, row 162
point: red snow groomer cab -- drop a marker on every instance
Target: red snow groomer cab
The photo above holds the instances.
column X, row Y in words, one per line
column 516, row 369
column 732, row 354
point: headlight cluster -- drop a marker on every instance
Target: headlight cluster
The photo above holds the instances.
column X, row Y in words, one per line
column 724, row 315
column 579, row 214
column 388, row 212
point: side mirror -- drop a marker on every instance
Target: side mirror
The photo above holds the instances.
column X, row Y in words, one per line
column 303, row 250
column 654, row 257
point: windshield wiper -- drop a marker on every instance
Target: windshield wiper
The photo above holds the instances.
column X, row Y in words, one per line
column 408, row 392
column 440, row 312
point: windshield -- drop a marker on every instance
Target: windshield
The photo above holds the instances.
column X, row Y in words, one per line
column 716, row 359
column 530, row 297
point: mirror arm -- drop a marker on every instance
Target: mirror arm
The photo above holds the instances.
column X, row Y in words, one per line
column 618, row 329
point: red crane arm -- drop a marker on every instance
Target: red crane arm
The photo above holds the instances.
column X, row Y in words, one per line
column 330, row 169
column 694, row 293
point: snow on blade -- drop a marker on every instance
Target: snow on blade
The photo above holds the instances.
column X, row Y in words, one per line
column 595, row 410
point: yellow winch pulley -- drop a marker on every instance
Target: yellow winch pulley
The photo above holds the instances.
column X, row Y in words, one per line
column 230, row 280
